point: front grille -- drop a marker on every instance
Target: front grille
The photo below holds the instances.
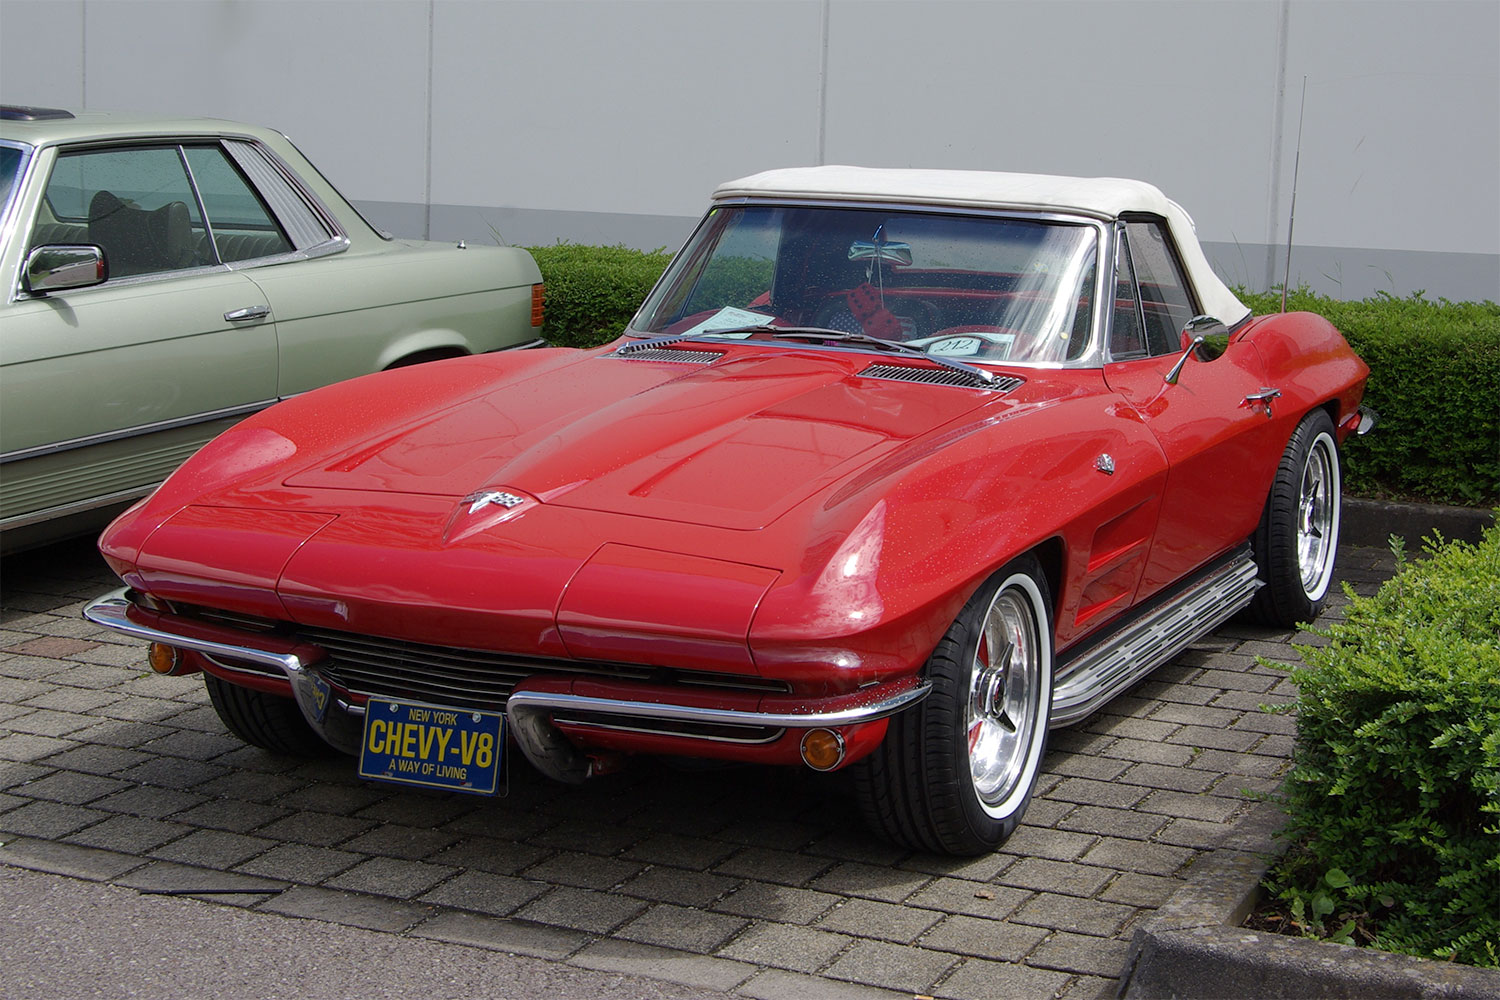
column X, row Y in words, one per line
column 451, row 675
column 442, row 675
column 942, row 376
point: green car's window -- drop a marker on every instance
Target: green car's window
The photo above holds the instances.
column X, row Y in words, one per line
column 11, row 160
column 243, row 228
column 304, row 227
column 138, row 204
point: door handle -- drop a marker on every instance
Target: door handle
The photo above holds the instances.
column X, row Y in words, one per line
column 249, row 312
column 1263, row 397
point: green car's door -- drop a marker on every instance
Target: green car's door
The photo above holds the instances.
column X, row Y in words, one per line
column 105, row 390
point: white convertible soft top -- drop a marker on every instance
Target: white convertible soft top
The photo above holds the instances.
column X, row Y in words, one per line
column 1099, row 197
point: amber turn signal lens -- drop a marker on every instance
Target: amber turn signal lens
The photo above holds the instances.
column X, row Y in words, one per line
column 538, row 304
column 164, row 659
column 822, row 749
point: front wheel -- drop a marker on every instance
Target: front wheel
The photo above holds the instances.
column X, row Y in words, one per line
column 1298, row 536
column 954, row 774
column 264, row 720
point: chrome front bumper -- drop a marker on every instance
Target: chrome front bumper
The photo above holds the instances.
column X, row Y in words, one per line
column 341, row 722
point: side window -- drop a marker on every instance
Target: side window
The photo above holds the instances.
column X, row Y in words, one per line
column 1126, row 338
column 242, row 225
column 137, row 204
column 304, row 227
column 1166, row 305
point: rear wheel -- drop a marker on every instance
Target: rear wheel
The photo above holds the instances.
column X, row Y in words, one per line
column 954, row 774
column 1298, row 536
column 264, row 720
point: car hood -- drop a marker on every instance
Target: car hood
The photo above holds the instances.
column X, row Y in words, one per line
column 733, row 444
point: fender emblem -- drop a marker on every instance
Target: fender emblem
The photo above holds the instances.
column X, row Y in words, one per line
column 1105, row 464
column 497, row 497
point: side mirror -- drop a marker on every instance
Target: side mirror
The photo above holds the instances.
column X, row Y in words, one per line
column 1208, row 334
column 57, row 267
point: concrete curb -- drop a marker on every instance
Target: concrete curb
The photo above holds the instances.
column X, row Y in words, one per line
column 1195, row 948
column 1372, row 522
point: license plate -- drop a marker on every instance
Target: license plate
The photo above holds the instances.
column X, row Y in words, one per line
column 455, row 749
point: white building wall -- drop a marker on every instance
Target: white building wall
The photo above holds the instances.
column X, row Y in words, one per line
column 612, row 120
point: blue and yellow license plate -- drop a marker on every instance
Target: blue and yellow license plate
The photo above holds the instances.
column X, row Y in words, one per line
column 455, row 749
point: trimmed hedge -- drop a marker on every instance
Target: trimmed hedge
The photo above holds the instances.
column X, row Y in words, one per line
column 1434, row 381
column 1394, row 796
column 593, row 291
column 1435, row 366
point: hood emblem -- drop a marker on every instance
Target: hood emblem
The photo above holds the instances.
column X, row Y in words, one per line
column 500, row 498
column 483, row 510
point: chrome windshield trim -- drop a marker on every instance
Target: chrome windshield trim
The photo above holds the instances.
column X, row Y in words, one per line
column 1093, row 356
column 10, row 221
column 140, row 430
column 111, row 612
column 541, row 701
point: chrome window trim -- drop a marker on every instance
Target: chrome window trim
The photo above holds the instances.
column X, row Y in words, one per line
column 208, row 225
column 325, row 215
column 1092, row 357
column 11, row 208
column 333, row 245
column 139, row 430
column 240, row 154
column 379, row 233
column 10, row 223
column 338, row 238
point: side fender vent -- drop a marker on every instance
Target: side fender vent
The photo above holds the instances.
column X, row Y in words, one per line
column 942, row 376
column 674, row 354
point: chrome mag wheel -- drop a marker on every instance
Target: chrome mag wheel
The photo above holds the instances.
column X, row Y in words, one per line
column 1004, row 696
column 1318, row 516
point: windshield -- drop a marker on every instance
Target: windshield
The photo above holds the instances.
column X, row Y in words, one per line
column 12, row 159
column 979, row 288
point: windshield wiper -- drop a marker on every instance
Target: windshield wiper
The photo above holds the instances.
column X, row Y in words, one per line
column 813, row 333
column 865, row 339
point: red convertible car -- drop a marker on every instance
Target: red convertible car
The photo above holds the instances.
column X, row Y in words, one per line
column 893, row 471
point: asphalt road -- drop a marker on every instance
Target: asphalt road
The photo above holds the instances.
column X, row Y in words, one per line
column 66, row 938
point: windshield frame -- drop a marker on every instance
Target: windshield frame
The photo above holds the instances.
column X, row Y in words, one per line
column 12, row 197
column 1091, row 357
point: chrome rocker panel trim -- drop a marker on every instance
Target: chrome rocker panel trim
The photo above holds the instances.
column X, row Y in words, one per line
column 1110, row 664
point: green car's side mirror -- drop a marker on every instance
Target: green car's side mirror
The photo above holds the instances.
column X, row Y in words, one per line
column 57, row 267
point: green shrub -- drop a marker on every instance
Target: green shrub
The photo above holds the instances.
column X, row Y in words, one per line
column 1394, row 795
column 1434, row 380
column 1434, row 366
column 593, row 291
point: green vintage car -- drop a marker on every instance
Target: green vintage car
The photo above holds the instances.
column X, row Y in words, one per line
column 165, row 278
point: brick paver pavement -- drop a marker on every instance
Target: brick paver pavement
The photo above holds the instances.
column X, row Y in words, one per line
column 762, row 882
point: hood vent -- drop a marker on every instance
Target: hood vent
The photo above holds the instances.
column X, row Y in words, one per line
column 675, row 354
column 942, row 376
